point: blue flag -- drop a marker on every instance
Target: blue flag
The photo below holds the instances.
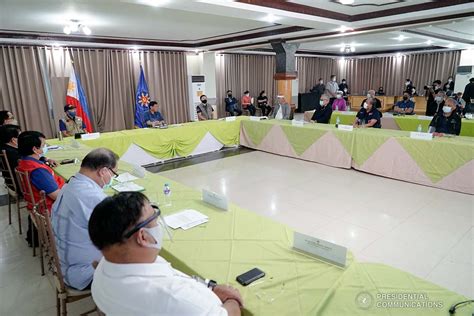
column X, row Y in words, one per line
column 142, row 100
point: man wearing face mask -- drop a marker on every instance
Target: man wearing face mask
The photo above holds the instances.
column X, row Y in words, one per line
column 371, row 95
column 432, row 91
column 448, row 121
column 323, row 111
column 9, row 143
column 448, row 87
column 71, row 212
column 319, row 88
column 204, row 110
column 331, row 89
column 32, row 148
column 133, row 279
column 344, row 88
column 408, row 86
column 231, row 105
column 71, row 124
column 406, row 106
column 368, row 116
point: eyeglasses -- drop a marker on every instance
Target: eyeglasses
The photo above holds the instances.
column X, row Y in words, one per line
column 115, row 173
column 145, row 222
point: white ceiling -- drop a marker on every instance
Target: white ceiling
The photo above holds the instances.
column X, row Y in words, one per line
column 190, row 22
column 359, row 6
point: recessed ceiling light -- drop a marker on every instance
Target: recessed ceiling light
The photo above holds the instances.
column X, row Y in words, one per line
column 270, row 18
column 429, row 42
column 56, row 45
column 344, row 28
column 86, row 30
column 399, row 55
column 401, row 37
column 346, row 1
column 451, row 45
column 67, row 30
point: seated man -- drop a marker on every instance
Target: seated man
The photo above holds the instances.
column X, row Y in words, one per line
column 231, row 105
column 368, row 116
column 9, row 142
column 262, row 102
column 32, row 148
column 132, row 279
column 246, row 103
column 204, row 110
column 448, row 121
column 376, row 102
column 6, row 117
column 340, row 103
column 71, row 123
column 323, row 111
column 406, row 106
column 380, row 92
column 282, row 109
column 153, row 117
column 71, row 212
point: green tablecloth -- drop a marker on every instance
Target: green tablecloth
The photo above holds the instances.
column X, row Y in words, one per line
column 237, row 240
column 437, row 160
column 176, row 140
column 405, row 123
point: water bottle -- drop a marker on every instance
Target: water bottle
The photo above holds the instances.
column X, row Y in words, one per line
column 337, row 122
column 167, row 194
column 348, row 107
column 419, row 129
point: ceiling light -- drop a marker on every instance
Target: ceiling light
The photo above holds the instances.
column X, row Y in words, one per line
column 56, row 45
column 344, row 28
column 346, row 1
column 451, row 45
column 86, row 30
column 347, row 49
column 429, row 42
column 67, row 30
column 401, row 37
column 270, row 18
column 399, row 55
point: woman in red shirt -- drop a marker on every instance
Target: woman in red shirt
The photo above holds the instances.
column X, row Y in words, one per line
column 246, row 103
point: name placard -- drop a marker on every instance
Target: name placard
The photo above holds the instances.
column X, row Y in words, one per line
column 230, row 118
column 255, row 118
column 297, row 123
column 90, row 136
column 215, row 199
column 347, row 128
column 422, row 136
column 320, row 248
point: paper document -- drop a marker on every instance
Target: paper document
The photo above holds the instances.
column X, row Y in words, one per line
column 125, row 177
column 128, row 187
column 186, row 219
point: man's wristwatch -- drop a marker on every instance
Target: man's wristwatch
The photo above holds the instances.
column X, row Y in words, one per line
column 211, row 284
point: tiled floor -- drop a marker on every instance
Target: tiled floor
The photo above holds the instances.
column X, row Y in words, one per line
column 421, row 230
column 425, row 231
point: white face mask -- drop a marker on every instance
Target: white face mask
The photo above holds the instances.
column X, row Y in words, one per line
column 449, row 80
column 369, row 95
column 338, row 96
column 334, row 79
column 407, row 83
column 157, row 233
column 321, row 102
column 365, row 106
column 446, row 109
column 108, row 184
column 321, row 82
column 438, row 99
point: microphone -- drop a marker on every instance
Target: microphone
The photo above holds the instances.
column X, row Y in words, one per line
column 453, row 308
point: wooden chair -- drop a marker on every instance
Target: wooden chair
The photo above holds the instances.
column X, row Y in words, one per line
column 27, row 192
column 64, row 294
column 10, row 183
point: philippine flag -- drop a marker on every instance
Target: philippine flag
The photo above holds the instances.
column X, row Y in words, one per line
column 76, row 96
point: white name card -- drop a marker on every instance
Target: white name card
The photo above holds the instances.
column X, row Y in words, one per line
column 297, row 123
column 215, row 199
column 230, row 118
column 423, row 117
column 322, row 249
column 422, row 136
column 255, row 118
column 347, row 128
column 90, row 136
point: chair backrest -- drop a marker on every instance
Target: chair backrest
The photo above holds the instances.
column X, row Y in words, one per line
column 45, row 229
column 7, row 172
column 25, row 187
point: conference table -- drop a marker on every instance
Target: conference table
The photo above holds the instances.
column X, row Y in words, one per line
column 237, row 240
column 395, row 122
column 444, row 162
